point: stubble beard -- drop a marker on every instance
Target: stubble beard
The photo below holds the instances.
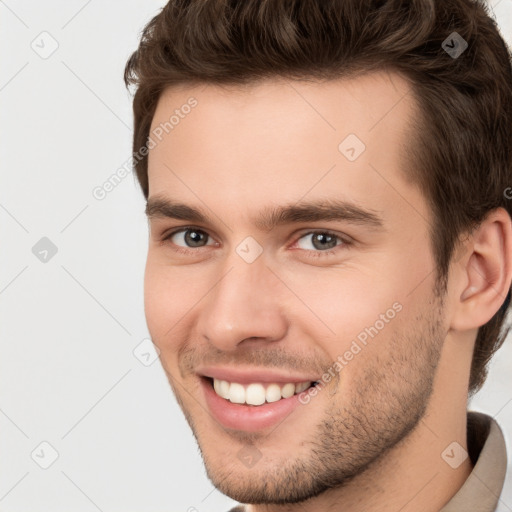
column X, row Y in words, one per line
column 388, row 398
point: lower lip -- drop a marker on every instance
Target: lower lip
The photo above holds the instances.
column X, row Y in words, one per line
column 249, row 418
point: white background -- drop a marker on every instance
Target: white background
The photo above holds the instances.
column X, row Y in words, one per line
column 68, row 375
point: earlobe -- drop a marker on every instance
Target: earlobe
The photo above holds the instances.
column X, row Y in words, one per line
column 487, row 272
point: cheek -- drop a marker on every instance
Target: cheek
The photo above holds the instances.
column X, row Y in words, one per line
column 168, row 299
column 351, row 308
column 336, row 305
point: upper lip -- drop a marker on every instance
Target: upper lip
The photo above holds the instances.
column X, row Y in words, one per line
column 249, row 375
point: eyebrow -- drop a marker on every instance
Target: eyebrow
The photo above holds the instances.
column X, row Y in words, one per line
column 272, row 216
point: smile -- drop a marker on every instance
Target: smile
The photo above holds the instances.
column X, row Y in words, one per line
column 253, row 399
column 257, row 393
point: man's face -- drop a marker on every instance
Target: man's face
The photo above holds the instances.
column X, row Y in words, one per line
column 261, row 310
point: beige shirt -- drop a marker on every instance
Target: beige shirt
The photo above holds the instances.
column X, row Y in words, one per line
column 488, row 454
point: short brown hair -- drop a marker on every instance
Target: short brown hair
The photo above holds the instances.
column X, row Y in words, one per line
column 462, row 145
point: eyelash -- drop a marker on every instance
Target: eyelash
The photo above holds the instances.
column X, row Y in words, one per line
column 310, row 252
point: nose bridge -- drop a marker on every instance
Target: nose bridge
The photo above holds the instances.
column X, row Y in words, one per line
column 242, row 304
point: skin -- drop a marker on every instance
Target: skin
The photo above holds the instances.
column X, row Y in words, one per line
column 372, row 438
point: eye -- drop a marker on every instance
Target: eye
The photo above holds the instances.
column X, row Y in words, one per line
column 320, row 243
column 188, row 238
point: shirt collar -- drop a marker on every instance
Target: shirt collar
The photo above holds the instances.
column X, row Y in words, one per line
column 486, row 448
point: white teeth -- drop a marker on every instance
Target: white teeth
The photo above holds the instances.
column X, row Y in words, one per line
column 299, row 388
column 273, row 393
column 257, row 393
column 236, row 393
column 216, row 386
column 288, row 390
column 224, row 389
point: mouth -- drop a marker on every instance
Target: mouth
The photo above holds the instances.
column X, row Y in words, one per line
column 249, row 403
column 257, row 393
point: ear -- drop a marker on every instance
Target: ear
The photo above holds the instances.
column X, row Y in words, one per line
column 484, row 276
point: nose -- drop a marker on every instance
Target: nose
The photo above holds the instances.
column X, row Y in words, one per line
column 243, row 306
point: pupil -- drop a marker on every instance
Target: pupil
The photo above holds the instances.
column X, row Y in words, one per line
column 323, row 240
column 193, row 238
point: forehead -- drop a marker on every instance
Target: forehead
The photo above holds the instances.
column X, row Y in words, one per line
column 279, row 141
column 363, row 103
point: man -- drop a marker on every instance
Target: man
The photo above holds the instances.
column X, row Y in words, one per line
column 330, row 252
